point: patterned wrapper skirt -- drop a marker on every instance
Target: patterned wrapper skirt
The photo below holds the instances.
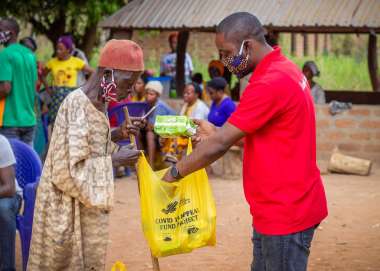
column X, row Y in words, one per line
column 59, row 94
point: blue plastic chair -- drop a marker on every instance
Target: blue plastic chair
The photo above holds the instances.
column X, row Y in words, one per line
column 135, row 109
column 28, row 171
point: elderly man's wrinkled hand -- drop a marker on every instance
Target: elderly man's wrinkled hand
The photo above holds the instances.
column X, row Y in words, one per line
column 126, row 156
column 134, row 128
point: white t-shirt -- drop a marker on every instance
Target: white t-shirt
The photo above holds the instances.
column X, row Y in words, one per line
column 7, row 158
column 200, row 110
column 169, row 61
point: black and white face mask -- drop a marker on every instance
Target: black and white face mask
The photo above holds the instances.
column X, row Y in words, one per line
column 5, row 36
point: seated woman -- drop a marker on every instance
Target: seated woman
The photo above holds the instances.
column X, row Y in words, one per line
column 194, row 107
column 222, row 106
column 139, row 90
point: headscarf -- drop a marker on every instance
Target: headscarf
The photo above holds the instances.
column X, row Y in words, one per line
column 123, row 55
column 218, row 65
column 67, row 41
column 156, row 86
column 172, row 35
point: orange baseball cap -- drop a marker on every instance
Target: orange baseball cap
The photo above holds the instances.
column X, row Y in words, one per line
column 123, row 55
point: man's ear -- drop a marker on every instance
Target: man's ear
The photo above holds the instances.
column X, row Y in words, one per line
column 249, row 45
column 107, row 74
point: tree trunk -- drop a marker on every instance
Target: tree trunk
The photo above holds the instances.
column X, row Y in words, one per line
column 183, row 37
column 88, row 40
column 372, row 62
column 341, row 163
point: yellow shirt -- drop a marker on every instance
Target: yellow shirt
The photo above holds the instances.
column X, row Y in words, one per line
column 65, row 72
column 136, row 99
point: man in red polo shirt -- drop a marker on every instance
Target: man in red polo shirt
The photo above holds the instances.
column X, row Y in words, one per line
column 282, row 183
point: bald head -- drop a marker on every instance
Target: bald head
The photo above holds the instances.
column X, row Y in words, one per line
column 241, row 26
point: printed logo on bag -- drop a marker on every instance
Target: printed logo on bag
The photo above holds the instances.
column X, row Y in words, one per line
column 171, row 208
column 192, row 230
column 167, row 239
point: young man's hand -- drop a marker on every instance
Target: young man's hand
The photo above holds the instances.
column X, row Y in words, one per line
column 204, row 130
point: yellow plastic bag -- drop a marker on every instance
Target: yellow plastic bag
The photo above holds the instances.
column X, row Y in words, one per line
column 119, row 266
column 176, row 217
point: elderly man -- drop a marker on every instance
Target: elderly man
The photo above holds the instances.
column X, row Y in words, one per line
column 282, row 183
column 75, row 194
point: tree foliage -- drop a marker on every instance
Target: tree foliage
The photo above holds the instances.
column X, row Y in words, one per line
column 53, row 18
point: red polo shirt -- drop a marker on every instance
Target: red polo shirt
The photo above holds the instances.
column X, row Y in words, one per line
column 282, row 182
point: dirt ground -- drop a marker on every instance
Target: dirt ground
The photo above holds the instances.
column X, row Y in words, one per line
column 349, row 239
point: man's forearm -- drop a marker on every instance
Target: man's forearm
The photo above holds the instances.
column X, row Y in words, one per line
column 207, row 152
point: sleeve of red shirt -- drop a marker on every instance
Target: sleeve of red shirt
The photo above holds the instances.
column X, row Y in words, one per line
column 258, row 105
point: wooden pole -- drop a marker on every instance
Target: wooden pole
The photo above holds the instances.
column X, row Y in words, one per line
column 132, row 138
column 293, row 43
column 372, row 62
column 305, row 44
column 183, row 37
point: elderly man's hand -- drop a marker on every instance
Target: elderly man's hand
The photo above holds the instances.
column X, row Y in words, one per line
column 134, row 128
column 204, row 130
column 126, row 156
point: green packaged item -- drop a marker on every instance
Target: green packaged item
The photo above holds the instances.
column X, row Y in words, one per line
column 173, row 126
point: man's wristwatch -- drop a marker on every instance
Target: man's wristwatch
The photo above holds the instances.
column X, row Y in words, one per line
column 175, row 173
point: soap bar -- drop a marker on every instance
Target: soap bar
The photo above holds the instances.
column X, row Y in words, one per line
column 174, row 126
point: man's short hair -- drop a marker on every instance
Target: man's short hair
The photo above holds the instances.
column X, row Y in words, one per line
column 240, row 26
column 11, row 24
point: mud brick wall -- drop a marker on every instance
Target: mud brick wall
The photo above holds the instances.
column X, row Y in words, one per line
column 201, row 46
column 355, row 132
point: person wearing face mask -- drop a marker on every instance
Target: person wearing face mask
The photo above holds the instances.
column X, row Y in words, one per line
column 18, row 77
column 64, row 68
column 76, row 190
column 276, row 118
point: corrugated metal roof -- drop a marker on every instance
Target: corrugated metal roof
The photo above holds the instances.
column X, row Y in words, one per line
column 281, row 14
